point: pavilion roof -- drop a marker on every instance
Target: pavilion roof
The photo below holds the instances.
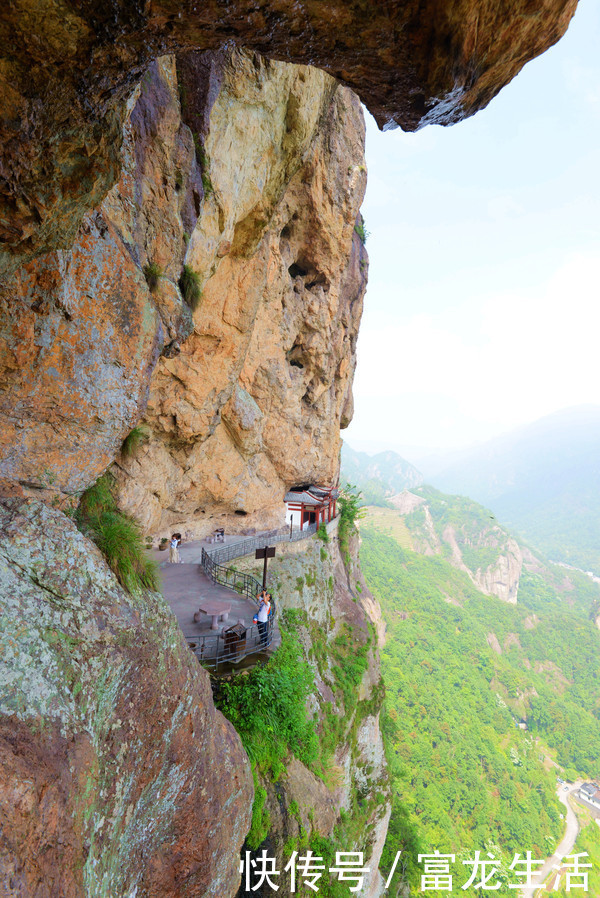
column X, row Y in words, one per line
column 304, row 498
column 311, row 496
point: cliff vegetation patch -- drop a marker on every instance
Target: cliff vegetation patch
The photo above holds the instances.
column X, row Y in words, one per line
column 118, row 536
column 133, row 441
column 351, row 510
column 189, row 284
column 268, row 705
column 152, row 272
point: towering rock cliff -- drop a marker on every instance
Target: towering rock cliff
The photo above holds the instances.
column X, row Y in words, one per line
column 118, row 777
column 253, row 401
column 67, row 74
column 178, row 244
column 245, row 177
column 259, row 199
column 468, row 535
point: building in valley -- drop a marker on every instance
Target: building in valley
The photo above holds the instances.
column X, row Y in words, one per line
column 590, row 793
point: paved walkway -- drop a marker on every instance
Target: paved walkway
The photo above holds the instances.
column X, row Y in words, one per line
column 185, row 586
column 565, row 846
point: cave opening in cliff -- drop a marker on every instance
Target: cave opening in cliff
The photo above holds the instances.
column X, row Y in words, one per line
column 297, row 271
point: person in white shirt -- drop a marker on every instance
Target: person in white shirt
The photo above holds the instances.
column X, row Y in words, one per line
column 174, row 550
column 262, row 617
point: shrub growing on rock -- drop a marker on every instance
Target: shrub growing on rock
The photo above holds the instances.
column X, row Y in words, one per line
column 118, row 536
column 350, row 511
column 133, row 441
column 189, row 284
column 152, row 273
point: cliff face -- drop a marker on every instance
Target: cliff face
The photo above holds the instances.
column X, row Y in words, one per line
column 466, row 533
column 339, row 626
column 66, row 76
column 247, row 177
column 116, row 768
column 81, row 332
column 261, row 205
column 254, row 401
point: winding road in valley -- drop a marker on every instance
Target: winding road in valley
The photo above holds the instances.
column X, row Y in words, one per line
column 566, row 844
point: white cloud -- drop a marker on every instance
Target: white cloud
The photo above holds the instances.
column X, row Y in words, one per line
column 502, row 208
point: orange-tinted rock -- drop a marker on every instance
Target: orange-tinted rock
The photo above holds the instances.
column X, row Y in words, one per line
column 80, row 331
column 79, row 338
column 117, row 774
column 65, row 77
column 254, row 401
column 270, row 362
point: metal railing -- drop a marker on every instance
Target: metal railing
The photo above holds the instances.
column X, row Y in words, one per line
column 245, row 584
column 251, row 543
column 213, row 649
column 220, row 648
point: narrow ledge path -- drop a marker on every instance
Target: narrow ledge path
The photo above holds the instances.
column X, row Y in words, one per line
column 186, row 586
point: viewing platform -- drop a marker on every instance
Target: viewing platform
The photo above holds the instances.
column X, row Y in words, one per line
column 228, row 597
column 215, row 604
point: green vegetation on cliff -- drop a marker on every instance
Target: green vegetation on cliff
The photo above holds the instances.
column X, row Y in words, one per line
column 189, row 284
column 134, row 439
column 118, row 536
column 350, row 511
column 479, row 537
column 267, row 706
column 313, row 702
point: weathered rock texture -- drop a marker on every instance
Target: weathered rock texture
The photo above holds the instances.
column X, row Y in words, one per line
column 502, row 578
column 251, row 173
column 80, row 332
column 118, row 777
column 259, row 196
column 340, row 620
column 254, row 401
column 66, row 74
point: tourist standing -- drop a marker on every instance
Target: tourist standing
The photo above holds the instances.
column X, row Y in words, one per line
column 174, row 550
column 262, row 617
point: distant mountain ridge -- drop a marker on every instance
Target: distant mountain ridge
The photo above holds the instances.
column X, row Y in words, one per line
column 542, row 481
column 381, row 475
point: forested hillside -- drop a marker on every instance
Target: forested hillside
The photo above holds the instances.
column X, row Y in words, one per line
column 463, row 670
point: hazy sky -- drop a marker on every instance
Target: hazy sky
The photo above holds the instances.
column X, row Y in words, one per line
column 483, row 306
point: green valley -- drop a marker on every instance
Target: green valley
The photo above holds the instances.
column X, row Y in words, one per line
column 480, row 691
